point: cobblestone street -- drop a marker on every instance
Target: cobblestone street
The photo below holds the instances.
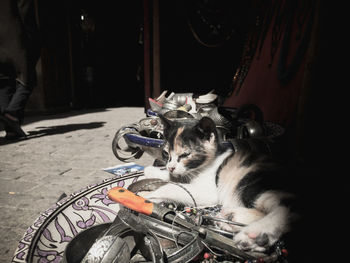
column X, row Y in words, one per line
column 63, row 153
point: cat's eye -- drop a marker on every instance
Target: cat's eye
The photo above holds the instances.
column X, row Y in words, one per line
column 165, row 155
column 184, row 155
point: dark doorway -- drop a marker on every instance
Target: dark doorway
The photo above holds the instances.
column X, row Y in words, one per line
column 107, row 55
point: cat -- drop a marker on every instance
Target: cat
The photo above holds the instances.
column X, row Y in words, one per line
column 244, row 184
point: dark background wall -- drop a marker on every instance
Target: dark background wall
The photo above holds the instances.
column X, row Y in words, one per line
column 94, row 54
column 92, row 51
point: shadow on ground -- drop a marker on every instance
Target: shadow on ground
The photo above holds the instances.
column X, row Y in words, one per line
column 54, row 130
column 30, row 117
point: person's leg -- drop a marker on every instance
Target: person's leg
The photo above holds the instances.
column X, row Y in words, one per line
column 7, row 89
column 16, row 106
column 12, row 103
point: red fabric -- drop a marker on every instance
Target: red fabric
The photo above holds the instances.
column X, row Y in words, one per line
column 261, row 86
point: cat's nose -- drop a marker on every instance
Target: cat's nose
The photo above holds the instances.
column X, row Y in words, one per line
column 171, row 169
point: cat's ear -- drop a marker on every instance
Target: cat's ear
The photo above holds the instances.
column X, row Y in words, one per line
column 166, row 122
column 206, row 128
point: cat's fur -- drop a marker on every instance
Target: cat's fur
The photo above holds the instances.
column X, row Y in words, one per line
column 244, row 184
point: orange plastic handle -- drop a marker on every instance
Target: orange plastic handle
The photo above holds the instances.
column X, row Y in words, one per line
column 130, row 200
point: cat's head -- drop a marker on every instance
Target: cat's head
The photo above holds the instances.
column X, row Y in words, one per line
column 190, row 145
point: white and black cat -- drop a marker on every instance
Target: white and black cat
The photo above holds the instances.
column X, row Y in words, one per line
column 244, row 184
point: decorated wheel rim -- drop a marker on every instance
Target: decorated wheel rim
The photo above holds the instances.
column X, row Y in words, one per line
column 47, row 238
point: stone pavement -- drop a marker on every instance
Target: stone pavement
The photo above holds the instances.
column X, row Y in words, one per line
column 63, row 153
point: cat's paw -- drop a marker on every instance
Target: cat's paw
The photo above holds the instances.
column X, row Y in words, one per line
column 226, row 215
column 145, row 194
column 151, row 196
column 253, row 239
column 155, row 172
column 240, row 215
